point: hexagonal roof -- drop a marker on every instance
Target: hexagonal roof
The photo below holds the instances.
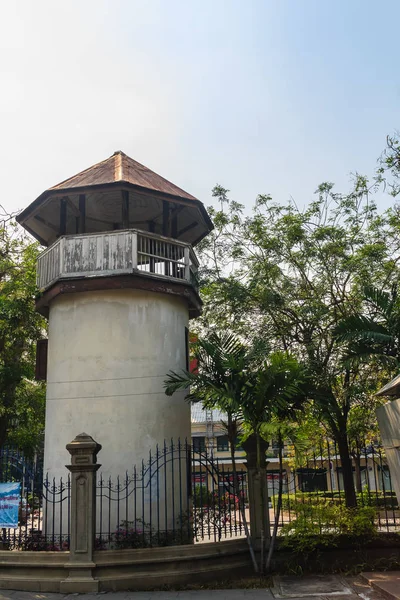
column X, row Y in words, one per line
column 120, row 167
column 102, row 184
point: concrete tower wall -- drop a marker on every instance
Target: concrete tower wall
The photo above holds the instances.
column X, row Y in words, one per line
column 109, row 352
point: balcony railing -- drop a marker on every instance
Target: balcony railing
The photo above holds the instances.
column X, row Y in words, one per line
column 117, row 253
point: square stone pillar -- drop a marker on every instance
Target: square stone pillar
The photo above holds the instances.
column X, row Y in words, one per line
column 256, row 486
column 83, row 468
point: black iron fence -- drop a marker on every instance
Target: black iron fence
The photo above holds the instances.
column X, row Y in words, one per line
column 314, row 496
column 44, row 505
column 178, row 496
column 182, row 495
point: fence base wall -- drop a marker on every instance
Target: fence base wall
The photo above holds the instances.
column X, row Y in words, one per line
column 32, row 571
column 142, row 569
column 154, row 568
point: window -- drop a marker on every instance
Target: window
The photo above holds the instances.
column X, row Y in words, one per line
column 273, row 478
column 199, row 444
column 312, row 480
column 222, row 443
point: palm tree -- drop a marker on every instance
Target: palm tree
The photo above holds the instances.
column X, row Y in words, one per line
column 281, row 430
column 218, row 383
column 242, row 382
column 375, row 331
column 277, row 390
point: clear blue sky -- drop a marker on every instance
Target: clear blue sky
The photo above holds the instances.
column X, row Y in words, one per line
column 261, row 96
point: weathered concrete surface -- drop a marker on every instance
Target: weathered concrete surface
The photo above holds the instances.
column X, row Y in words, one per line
column 352, row 589
column 109, row 352
column 186, row 595
column 387, row 583
column 139, row 569
column 83, row 468
column 303, row 587
column 389, row 426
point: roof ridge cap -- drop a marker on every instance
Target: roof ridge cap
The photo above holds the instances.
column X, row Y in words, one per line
column 118, row 168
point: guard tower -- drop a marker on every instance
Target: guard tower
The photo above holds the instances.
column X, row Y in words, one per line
column 118, row 283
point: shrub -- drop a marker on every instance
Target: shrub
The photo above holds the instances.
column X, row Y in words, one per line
column 137, row 534
column 36, row 541
column 131, row 534
column 379, row 500
column 320, row 524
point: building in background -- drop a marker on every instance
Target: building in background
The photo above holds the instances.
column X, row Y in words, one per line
column 322, row 471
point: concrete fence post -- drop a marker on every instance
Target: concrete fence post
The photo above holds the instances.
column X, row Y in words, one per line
column 83, row 467
column 257, row 489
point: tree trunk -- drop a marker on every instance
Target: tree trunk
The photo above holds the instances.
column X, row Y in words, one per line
column 278, row 506
column 347, row 470
column 261, row 474
column 236, row 487
column 3, row 430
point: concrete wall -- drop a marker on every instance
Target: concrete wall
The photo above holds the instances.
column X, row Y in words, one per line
column 109, row 352
column 389, row 425
column 143, row 569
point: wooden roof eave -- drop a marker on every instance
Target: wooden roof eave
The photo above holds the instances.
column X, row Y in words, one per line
column 46, row 196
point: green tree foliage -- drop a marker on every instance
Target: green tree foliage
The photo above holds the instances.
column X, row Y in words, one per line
column 218, row 383
column 389, row 171
column 374, row 329
column 244, row 382
column 288, row 276
column 21, row 399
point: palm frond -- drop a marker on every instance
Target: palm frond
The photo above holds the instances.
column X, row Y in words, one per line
column 382, row 301
column 360, row 327
column 178, row 381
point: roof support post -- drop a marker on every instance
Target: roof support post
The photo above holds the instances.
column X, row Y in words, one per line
column 174, row 226
column 125, row 209
column 166, row 219
column 82, row 213
column 63, row 216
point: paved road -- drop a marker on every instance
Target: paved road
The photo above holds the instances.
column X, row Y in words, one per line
column 291, row 588
column 186, row 595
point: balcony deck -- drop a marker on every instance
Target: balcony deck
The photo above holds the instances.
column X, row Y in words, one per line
column 117, row 253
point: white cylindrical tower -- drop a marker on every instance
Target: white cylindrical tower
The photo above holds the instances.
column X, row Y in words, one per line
column 118, row 284
column 109, row 352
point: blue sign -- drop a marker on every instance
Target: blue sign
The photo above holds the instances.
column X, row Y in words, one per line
column 10, row 497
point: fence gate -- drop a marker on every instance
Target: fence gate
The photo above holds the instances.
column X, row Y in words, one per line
column 179, row 495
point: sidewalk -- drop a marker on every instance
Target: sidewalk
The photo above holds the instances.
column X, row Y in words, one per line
column 388, row 583
column 292, row 588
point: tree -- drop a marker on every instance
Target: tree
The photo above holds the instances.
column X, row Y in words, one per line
column 388, row 173
column 362, row 432
column 282, row 430
column 243, row 382
column 218, row 382
column 374, row 329
column 274, row 390
column 20, row 327
column 29, row 417
column 290, row 276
